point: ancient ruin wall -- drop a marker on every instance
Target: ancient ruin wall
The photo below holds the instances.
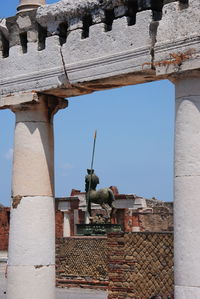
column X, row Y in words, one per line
column 4, row 227
column 140, row 265
column 59, row 224
column 130, row 265
column 159, row 220
column 82, row 261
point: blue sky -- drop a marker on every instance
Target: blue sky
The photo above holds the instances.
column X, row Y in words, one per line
column 134, row 149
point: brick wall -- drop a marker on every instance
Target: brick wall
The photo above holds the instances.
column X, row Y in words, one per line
column 156, row 217
column 130, row 265
column 140, row 265
column 156, row 222
column 59, row 224
column 4, row 227
column 82, row 261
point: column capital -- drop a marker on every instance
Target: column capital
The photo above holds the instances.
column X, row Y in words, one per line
column 25, row 5
column 45, row 105
column 188, row 87
column 24, row 98
column 190, row 74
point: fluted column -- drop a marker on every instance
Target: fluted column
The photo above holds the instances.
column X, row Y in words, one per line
column 25, row 5
column 31, row 258
column 187, row 189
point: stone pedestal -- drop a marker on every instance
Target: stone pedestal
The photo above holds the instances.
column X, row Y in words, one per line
column 31, row 258
column 25, row 5
column 187, row 189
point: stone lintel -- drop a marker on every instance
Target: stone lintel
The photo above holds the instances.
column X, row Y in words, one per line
column 75, row 47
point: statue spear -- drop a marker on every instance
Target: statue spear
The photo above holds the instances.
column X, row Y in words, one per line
column 89, row 187
column 93, row 151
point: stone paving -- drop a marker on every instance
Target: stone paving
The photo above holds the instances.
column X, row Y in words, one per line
column 75, row 293
column 71, row 293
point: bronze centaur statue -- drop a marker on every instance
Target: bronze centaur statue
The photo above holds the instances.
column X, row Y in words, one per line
column 103, row 197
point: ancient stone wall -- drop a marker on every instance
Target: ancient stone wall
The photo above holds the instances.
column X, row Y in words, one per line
column 59, row 224
column 130, row 265
column 155, row 222
column 4, row 227
column 82, row 261
column 140, row 265
column 150, row 220
column 160, row 219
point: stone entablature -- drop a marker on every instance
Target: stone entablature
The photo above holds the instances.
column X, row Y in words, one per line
column 72, row 47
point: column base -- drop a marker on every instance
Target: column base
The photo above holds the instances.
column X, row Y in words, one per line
column 184, row 292
column 32, row 282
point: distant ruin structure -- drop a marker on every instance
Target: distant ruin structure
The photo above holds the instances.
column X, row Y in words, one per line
column 76, row 47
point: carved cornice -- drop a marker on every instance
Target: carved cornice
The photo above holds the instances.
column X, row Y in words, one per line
column 69, row 9
column 62, row 60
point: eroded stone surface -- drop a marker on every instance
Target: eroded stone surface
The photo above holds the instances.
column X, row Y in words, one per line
column 33, row 164
column 78, row 41
column 29, row 282
column 185, row 292
column 32, row 232
column 16, row 201
column 177, row 48
column 76, row 47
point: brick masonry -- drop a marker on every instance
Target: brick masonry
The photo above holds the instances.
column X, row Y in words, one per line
column 140, row 265
column 155, row 222
column 129, row 265
column 149, row 221
column 59, row 224
column 82, row 262
column 4, row 227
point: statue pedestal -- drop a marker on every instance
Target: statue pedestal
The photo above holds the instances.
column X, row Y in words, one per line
column 97, row 229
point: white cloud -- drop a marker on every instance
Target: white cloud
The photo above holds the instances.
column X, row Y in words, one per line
column 9, row 154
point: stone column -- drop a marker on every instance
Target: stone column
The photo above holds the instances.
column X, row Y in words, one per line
column 76, row 220
column 187, row 189
column 25, row 5
column 31, row 258
column 66, row 225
